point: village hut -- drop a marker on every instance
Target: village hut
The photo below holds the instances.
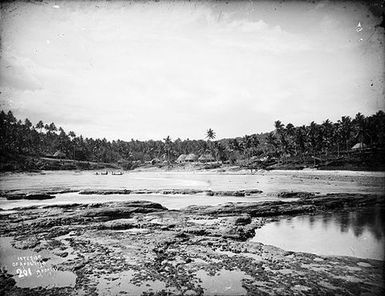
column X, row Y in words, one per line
column 59, row 154
column 206, row 158
column 191, row 157
column 181, row 158
column 254, row 159
column 359, row 146
column 155, row 161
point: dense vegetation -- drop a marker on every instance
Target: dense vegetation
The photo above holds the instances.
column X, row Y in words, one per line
column 316, row 140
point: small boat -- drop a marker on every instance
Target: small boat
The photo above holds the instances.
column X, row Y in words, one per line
column 117, row 173
column 104, row 173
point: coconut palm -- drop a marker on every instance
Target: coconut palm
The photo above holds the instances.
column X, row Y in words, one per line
column 52, row 127
column 272, row 141
column 210, row 134
column 328, row 128
column 346, row 130
column 361, row 127
column 40, row 125
column 27, row 123
column 168, row 147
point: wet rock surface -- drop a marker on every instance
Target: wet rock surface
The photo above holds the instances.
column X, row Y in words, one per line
column 34, row 195
column 142, row 248
column 247, row 192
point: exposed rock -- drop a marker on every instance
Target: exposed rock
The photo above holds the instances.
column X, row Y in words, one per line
column 14, row 196
column 243, row 220
column 61, row 254
column 295, row 194
column 119, row 224
column 34, row 195
column 253, row 191
column 177, row 245
column 275, row 208
column 39, row 196
column 28, row 243
column 124, row 209
column 171, row 191
column 105, row 191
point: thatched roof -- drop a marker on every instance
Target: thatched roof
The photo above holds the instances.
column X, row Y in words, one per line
column 191, row 157
column 206, row 158
column 181, row 158
column 155, row 160
column 359, row 146
column 59, row 154
column 254, row 158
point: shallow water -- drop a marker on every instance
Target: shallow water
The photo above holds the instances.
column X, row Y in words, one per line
column 269, row 182
column 115, row 284
column 359, row 233
column 224, row 282
column 29, row 270
column 172, row 202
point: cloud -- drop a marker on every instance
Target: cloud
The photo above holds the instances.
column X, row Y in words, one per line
column 248, row 26
column 258, row 36
column 146, row 70
column 18, row 73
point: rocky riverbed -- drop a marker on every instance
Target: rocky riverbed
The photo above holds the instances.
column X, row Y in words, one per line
column 142, row 248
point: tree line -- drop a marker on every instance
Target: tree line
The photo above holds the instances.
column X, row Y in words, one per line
column 316, row 139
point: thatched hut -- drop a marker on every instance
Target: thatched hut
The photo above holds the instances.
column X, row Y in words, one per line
column 181, row 158
column 155, row 161
column 206, row 158
column 359, row 146
column 191, row 158
column 59, row 154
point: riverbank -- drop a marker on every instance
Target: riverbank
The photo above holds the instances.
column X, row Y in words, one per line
column 132, row 247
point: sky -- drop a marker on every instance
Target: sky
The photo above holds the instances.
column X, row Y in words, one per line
column 146, row 70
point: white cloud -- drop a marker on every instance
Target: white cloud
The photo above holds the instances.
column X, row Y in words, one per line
column 145, row 70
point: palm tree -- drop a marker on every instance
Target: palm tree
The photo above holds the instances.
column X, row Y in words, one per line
column 47, row 128
column 254, row 143
column 281, row 133
column 27, row 123
column 220, row 151
column 40, row 125
column 361, row 127
column 337, row 136
column 312, row 134
column 290, row 131
column 300, row 138
column 10, row 117
column 272, row 141
column 72, row 135
column 327, row 126
column 246, row 144
column 168, row 147
column 210, row 134
column 52, row 127
column 346, row 130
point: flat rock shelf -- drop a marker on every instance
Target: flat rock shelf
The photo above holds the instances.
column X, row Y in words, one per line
column 144, row 248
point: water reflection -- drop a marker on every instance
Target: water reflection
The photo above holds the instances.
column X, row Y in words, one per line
column 30, row 271
column 358, row 233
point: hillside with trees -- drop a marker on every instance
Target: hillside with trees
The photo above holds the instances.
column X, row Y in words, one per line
column 22, row 143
